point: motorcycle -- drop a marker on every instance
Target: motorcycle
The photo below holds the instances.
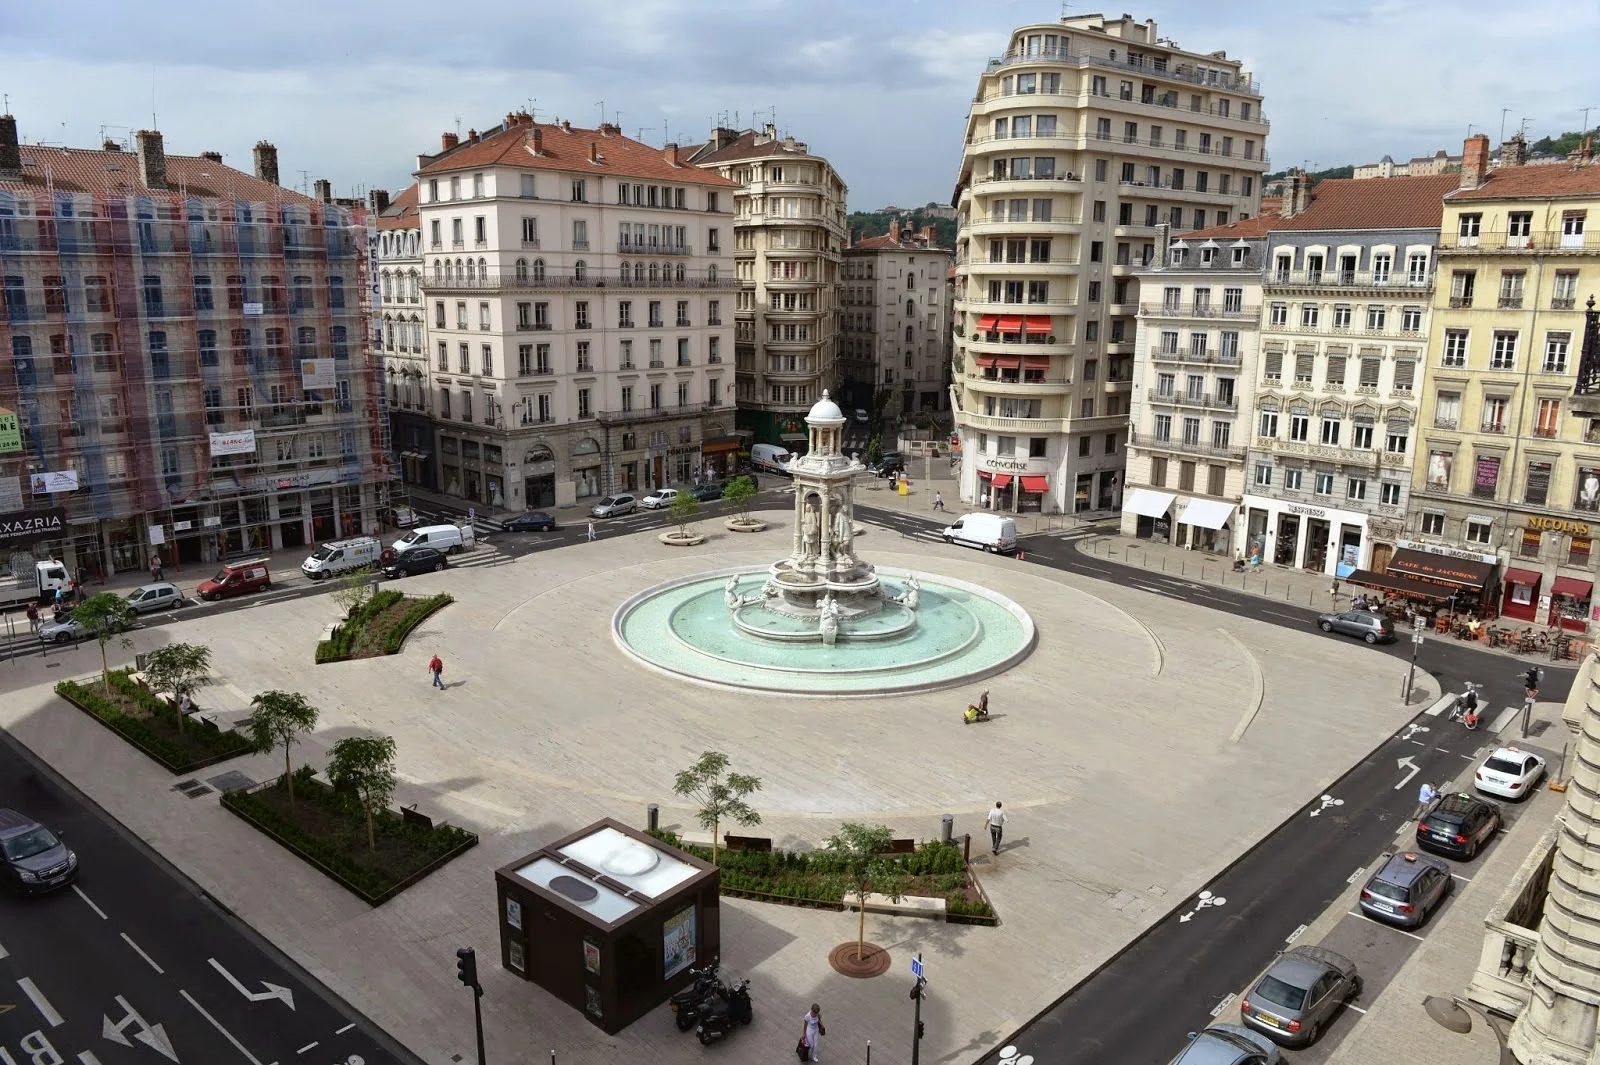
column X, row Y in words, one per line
column 718, row 1015
column 687, row 1005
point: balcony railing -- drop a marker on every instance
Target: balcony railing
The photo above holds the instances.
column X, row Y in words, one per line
column 629, row 248
column 1148, row 440
column 1226, row 358
column 500, row 284
column 1197, row 310
column 1460, row 302
column 1187, row 399
column 1166, row 101
column 1030, row 178
column 1185, row 71
column 1499, row 241
column 1348, row 279
column 642, row 414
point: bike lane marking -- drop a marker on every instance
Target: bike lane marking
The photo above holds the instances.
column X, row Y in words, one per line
column 40, row 1003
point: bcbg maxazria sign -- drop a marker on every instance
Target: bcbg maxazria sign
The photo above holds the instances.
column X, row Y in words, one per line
column 37, row 525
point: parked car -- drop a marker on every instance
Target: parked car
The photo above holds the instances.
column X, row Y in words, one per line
column 1406, row 889
column 67, row 630
column 1228, row 1044
column 612, row 506
column 1509, row 772
column 1373, row 628
column 1299, row 994
column 889, row 462
column 770, row 457
column 342, row 556
column 861, row 414
column 417, row 560
column 709, row 492
column 1458, row 825
column 36, row 859
column 532, row 521
column 403, row 517
column 451, row 538
column 148, row 597
column 660, row 498
column 236, row 578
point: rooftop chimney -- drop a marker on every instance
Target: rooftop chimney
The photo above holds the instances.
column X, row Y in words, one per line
column 324, row 190
column 594, row 151
column 1583, row 154
column 109, row 145
column 610, row 129
column 566, row 126
column 1296, row 195
column 379, row 198
column 472, row 136
column 894, row 229
column 788, row 142
column 10, row 150
column 266, row 162
column 1514, row 152
column 672, row 153
column 538, row 141
column 448, row 140
column 769, row 131
column 215, row 157
column 1474, row 160
column 855, row 236
column 152, row 159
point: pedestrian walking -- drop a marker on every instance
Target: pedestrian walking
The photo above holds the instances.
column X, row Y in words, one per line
column 1336, row 589
column 938, row 501
column 1425, row 796
column 436, row 667
column 33, row 618
column 997, row 825
column 155, row 568
column 591, row 535
column 812, row 1031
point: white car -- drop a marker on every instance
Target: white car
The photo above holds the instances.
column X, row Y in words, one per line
column 661, row 497
column 1509, row 772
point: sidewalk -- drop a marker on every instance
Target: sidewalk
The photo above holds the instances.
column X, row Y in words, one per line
column 918, row 500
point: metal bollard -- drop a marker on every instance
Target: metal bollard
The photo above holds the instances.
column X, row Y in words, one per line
column 652, row 817
column 947, row 828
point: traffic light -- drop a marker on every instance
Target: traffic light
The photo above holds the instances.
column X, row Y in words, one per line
column 921, row 1029
column 467, row 966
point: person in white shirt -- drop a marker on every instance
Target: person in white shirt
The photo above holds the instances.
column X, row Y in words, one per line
column 1425, row 796
column 997, row 822
column 813, row 1031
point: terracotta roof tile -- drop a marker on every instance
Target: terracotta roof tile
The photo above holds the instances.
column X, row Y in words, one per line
column 117, row 174
column 1375, row 203
column 1244, row 229
column 745, row 147
column 402, row 211
column 568, row 151
column 1551, row 180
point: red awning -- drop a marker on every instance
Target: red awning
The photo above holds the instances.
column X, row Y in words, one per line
column 1008, row 362
column 1011, row 323
column 1036, row 485
column 986, row 324
column 1036, row 362
column 1002, row 480
column 1036, row 325
column 984, row 475
column 1567, row 586
column 1523, row 576
column 985, row 360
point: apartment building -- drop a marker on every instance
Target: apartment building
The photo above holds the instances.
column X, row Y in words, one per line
column 1508, row 469
column 400, row 341
column 789, row 231
column 1345, row 305
column 1194, row 374
column 1083, row 138
column 577, row 287
column 894, row 346
column 185, row 358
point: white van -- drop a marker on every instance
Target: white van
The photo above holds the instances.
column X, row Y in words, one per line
column 449, row 538
column 342, row 556
column 992, row 532
column 770, row 457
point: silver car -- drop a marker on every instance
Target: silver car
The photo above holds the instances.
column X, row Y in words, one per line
column 1298, row 995
column 1228, row 1044
column 148, row 597
column 1373, row 628
column 611, row 506
column 64, row 631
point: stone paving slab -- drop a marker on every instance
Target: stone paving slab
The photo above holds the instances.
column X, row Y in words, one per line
column 1135, row 710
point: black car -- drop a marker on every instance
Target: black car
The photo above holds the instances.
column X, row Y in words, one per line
column 417, row 560
column 35, row 859
column 1458, row 825
column 707, row 493
column 533, row 521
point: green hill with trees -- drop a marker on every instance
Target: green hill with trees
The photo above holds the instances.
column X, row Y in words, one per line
column 876, row 223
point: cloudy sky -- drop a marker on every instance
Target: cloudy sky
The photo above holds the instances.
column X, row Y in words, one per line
column 351, row 90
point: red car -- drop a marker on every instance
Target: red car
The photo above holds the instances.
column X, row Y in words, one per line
column 236, row 578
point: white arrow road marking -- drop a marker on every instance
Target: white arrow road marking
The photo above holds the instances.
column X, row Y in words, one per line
column 1224, row 1004
column 153, row 1036
column 272, row 990
column 225, row 1033
column 1204, row 900
column 1296, row 934
column 1402, row 763
column 40, row 1003
column 1327, row 801
column 1411, row 730
column 1186, row 917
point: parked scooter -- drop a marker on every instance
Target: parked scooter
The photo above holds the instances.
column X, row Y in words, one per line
column 719, row 1015
column 686, row 1004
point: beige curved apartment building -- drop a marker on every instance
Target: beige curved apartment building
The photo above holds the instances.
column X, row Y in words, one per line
column 1088, row 142
column 789, row 231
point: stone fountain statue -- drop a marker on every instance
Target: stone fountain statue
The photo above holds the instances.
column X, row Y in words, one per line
column 912, row 596
column 828, row 621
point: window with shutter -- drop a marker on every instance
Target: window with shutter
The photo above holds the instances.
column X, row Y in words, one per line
column 1274, row 367
column 1369, row 372
column 1335, row 371
column 1405, row 373
column 1304, row 363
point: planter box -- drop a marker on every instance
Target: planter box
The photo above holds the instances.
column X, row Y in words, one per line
column 200, row 745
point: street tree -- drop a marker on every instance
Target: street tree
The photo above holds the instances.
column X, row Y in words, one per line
column 739, row 493
column 874, row 450
column 354, row 589
column 719, row 793
column 864, row 868
column 179, row 668
column 105, row 616
column 278, row 720
column 365, row 765
column 684, row 508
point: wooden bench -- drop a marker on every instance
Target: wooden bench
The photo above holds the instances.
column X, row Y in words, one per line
column 759, row 844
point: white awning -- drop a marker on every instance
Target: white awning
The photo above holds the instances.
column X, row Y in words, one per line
column 1149, row 504
column 1207, row 513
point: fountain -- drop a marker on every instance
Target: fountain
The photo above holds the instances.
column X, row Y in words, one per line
column 823, row 621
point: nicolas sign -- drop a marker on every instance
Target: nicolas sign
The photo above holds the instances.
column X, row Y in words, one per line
column 25, row 528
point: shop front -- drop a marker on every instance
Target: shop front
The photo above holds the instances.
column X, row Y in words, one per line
column 1520, row 597
column 1569, row 603
column 1467, row 575
column 539, row 477
column 1013, row 485
column 720, row 457
column 1150, row 512
column 1205, row 525
column 1317, row 539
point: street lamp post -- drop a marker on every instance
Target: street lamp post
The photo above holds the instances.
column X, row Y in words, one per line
column 467, row 972
column 916, row 1016
column 1417, row 626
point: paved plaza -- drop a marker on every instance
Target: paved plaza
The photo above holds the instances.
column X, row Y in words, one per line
column 1142, row 746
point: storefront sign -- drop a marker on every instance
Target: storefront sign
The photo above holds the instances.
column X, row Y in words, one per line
column 242, row 442
column 1012, row 466
column 182, row 526
column 1310, row 512
column 158, row 536
column 1442, row 549
column 1486, row 476
column 1576, row 528
column 1440, row 464
column 317, row 374
column 10, row 432
column 19, row 529
column 53, row 481
column 253, row 308
column 10, row 494
column 1588, row 497
column 1538, row 489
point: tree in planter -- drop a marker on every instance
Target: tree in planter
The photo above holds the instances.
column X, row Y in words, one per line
column 874, row 450
column 278, row 720
column 365, row 765
column 720, row 794
column 864, row 868
column 739, row 494
column 104, row 616
column 179, row 668
column 354, row 589
column 684, row 508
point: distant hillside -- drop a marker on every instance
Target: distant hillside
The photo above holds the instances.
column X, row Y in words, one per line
column 1318, row 175
column 1560, row 145
column 875, row 224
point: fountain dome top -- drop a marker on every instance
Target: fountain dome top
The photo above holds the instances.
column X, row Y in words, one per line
column 825, row 413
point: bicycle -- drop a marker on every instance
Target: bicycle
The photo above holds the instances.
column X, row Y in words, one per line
column 1465, row 707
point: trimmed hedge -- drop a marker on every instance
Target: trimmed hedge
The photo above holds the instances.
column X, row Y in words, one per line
column 348, row 636
column 409, row 852
column 150, row 724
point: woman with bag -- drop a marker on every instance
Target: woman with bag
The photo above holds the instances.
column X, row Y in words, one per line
column 811, row 1033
